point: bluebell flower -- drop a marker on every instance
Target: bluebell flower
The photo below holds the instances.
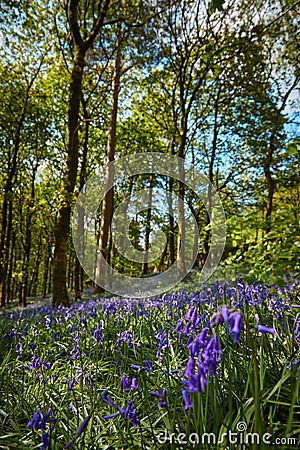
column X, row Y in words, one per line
column 125, row 336
column 79, row 431
column 179, row 326
column 69, row 444
column 34, row 423
column 55, row 335
column 45, row 418
column 206, row 349
column 79, row 372
column 75, row 352
column 147, row 365
column 72, row 408
column 35, row 363
column 219, row 317
column 98, row 335
column 129, row 414
column 10, row 334
column 264, row 329
column 83, row 425
column 45, row 441
column 71, row 384
column 189, row 369
column 187, row 402
column 297, row 329
column 163, row 343
column 106, row 399
column 127, row 385
column 55, row 376
column 161, row 394
column 124, row 383
column 187, row 327
column 134, row 385
column 189, row 341
column 235, row 325
column 111, row 416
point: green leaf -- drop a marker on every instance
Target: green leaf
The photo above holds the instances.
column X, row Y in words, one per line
column 291, row 149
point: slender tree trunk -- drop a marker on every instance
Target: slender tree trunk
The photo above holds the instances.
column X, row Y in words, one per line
column 27, row 248
column 181, row 265
column 60, row 291
column 171, row 236
column 3, row 253
column 5, row 250
column 148, row 229
column 80, row 226
column 162, row 259
column 269, row 179
column 32, row 287
column 46, row 271
column 107, row 206
column 211, row 173
column 21, row 285
column 10, row 279
column 27, row 243
column 50, row 277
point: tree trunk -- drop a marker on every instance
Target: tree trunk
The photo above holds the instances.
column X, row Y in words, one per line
column 32, row 287
column 107, row 206
column 60, row 291
column 269, row 179
column 181, row 265
column 81, row 46
column 7, row 230
column 46, row 271
column 10, row 280
column 148, row 230
column 80, row 226
column 211, row 174
column 71, row 259
column 171, row 236
column 27, row 242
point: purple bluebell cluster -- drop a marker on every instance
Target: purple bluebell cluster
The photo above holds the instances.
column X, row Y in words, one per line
column 204, row 354
column 39, row 422
column 128, row 385
column 127, row 337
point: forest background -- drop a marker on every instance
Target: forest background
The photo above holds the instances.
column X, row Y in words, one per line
column 214, row 82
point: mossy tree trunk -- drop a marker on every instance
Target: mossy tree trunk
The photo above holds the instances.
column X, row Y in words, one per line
column 81, row 46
